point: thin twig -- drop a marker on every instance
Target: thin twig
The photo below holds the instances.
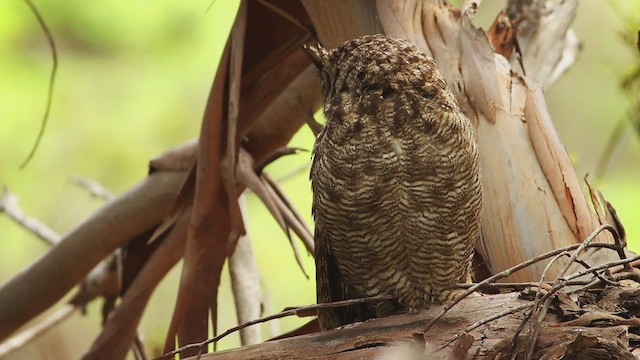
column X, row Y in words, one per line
column 534, row 333
column 538, row 315
column 516, row 334
column 507, row 273
column 36, row 330
column 616, row 220
column 621, row 243
column 601, row 267
column 547, row 299
column 593, row 283
column 293, row 216
column 279, row 315
column 586, row 287
column 563, row 283
column 52, row 78
column 275, row 155
column 293, row 173
column 139, row 350
column 288, row 221
column 9, row 205
column 519, row 285
column 560, row 283
column 93, row 187
column 586, row 243
column 596, row 274
column 525, row 320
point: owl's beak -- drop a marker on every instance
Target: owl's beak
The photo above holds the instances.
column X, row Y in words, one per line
column 317, row 54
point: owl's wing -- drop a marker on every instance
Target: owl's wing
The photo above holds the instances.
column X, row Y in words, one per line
column 330, row 287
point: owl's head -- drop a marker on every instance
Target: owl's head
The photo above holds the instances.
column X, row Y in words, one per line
column 373, row 62
column 320, row 58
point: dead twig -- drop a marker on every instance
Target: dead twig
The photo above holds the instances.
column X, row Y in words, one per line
column 293, row 216
column 275, row 155
column 138, row 349
column 507, row 273
column 9, row 205
column 599, row 277
column 38, row 329
column 52, row 79
column 601, row 267
column 519, row 285
column 279, row 315
column 558, row 283
column 561, row 282
column 537, row 314
column 534, row 306
column 93, row 187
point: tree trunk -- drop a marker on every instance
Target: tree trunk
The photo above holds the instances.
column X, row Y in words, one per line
column 533, row 202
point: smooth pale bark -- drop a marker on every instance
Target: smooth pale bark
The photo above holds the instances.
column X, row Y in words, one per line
column 533, row 201
column 245, row 283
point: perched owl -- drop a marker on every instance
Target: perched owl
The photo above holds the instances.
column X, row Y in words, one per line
column 395, row 178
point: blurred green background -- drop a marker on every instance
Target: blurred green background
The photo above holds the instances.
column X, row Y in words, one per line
column 133, row 81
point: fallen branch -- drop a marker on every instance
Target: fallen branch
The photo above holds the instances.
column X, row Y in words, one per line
column 297, row 311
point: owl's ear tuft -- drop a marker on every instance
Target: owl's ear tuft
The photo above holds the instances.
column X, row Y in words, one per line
column 318, row 55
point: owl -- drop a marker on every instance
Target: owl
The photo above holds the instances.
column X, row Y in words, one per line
column 395, row 180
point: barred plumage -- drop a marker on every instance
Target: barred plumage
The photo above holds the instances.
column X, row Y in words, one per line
column 395, row 178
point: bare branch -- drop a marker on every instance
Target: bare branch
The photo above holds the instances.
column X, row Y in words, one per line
column 83, row 248
column 28, row 335
column 9, row 205
column 245, row 282
column 291, row 312
column 93, row 187
column 139, row 350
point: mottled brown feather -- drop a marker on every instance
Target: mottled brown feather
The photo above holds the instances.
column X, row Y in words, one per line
column 395, row 178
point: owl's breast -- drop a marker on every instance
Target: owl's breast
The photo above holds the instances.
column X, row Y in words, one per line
column 395, row 177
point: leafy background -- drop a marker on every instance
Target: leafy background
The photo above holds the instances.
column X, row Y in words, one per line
column 133, row 81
